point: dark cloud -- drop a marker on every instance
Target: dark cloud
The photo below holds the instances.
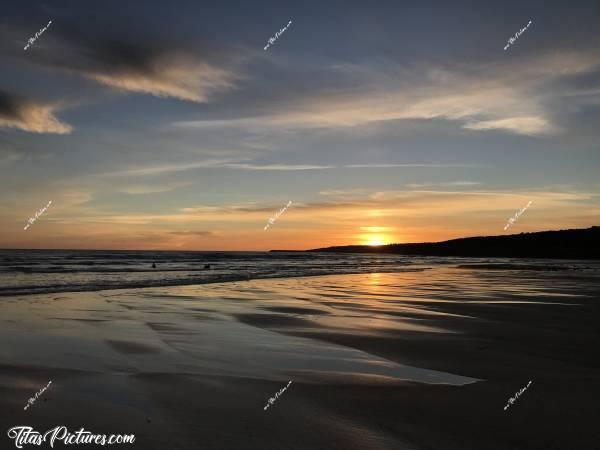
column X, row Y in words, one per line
column 10, row 106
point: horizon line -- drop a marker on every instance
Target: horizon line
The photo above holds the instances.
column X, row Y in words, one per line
column 267, row 251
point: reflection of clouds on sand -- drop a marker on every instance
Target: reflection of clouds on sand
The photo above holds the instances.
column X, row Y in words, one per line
column 220, row 331
column 276, row 353
column 275, row 329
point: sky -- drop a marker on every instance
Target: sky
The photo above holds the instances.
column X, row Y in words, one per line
column 166, row 125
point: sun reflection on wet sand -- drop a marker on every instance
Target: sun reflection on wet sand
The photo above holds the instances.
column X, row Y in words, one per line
column 260, row 328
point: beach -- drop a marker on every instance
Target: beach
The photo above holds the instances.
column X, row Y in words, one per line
column 421, row 359
column 382, row 233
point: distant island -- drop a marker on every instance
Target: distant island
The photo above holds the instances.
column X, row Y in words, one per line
column 563, row 244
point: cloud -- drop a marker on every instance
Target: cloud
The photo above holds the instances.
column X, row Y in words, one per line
column 377, row 229
column 277, row 167
column 518, row 125
column 242, row 165
column 249, row 207
column 23, row 114
column 454, row 100
column 486, row 105
column 245, row 165
column 338, row 192
column 152, row 189
column 213, row 163
column 167, row 168
column 452, row 183
column 515, row 97
column 434, row 203
column 193, row 233
column 383, row 166
column 148, row 64
column 403, row 216
column 462, row 183
column 181, row 78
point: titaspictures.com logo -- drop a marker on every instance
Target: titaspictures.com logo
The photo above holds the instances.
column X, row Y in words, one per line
column 24, row 435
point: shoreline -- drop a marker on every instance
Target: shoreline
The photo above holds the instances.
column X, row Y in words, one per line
column 349, row 345
column 232, row 279
column 107, row 274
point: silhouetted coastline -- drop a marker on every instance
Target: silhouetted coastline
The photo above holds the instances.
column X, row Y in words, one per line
column 563, row 244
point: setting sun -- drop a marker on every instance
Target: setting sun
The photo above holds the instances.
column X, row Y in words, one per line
column 376, row 239
column 376, row 235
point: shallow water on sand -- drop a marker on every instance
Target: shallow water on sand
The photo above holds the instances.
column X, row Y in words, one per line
column 256, row 328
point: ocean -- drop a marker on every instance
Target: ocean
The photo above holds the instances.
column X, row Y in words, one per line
column 25, row 272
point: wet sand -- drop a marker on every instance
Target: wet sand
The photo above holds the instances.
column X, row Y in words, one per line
column 416, row 360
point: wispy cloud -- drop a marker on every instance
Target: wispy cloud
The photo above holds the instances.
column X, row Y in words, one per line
column 139, row 189
column 249, row 207
column 23, row 114
column 512, row 98
column 488, row 105
column 142, row 64
column 338, row 192
column 166, row 168
column 450, row 184
column 391, row 165
column 223, row 164
column 183, row 79
column 193, row 233
column 241, row 165
column 404, row 216
column 518, row 125
column 278, row 166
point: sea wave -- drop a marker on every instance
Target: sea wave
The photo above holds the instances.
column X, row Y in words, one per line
column 27, row 272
